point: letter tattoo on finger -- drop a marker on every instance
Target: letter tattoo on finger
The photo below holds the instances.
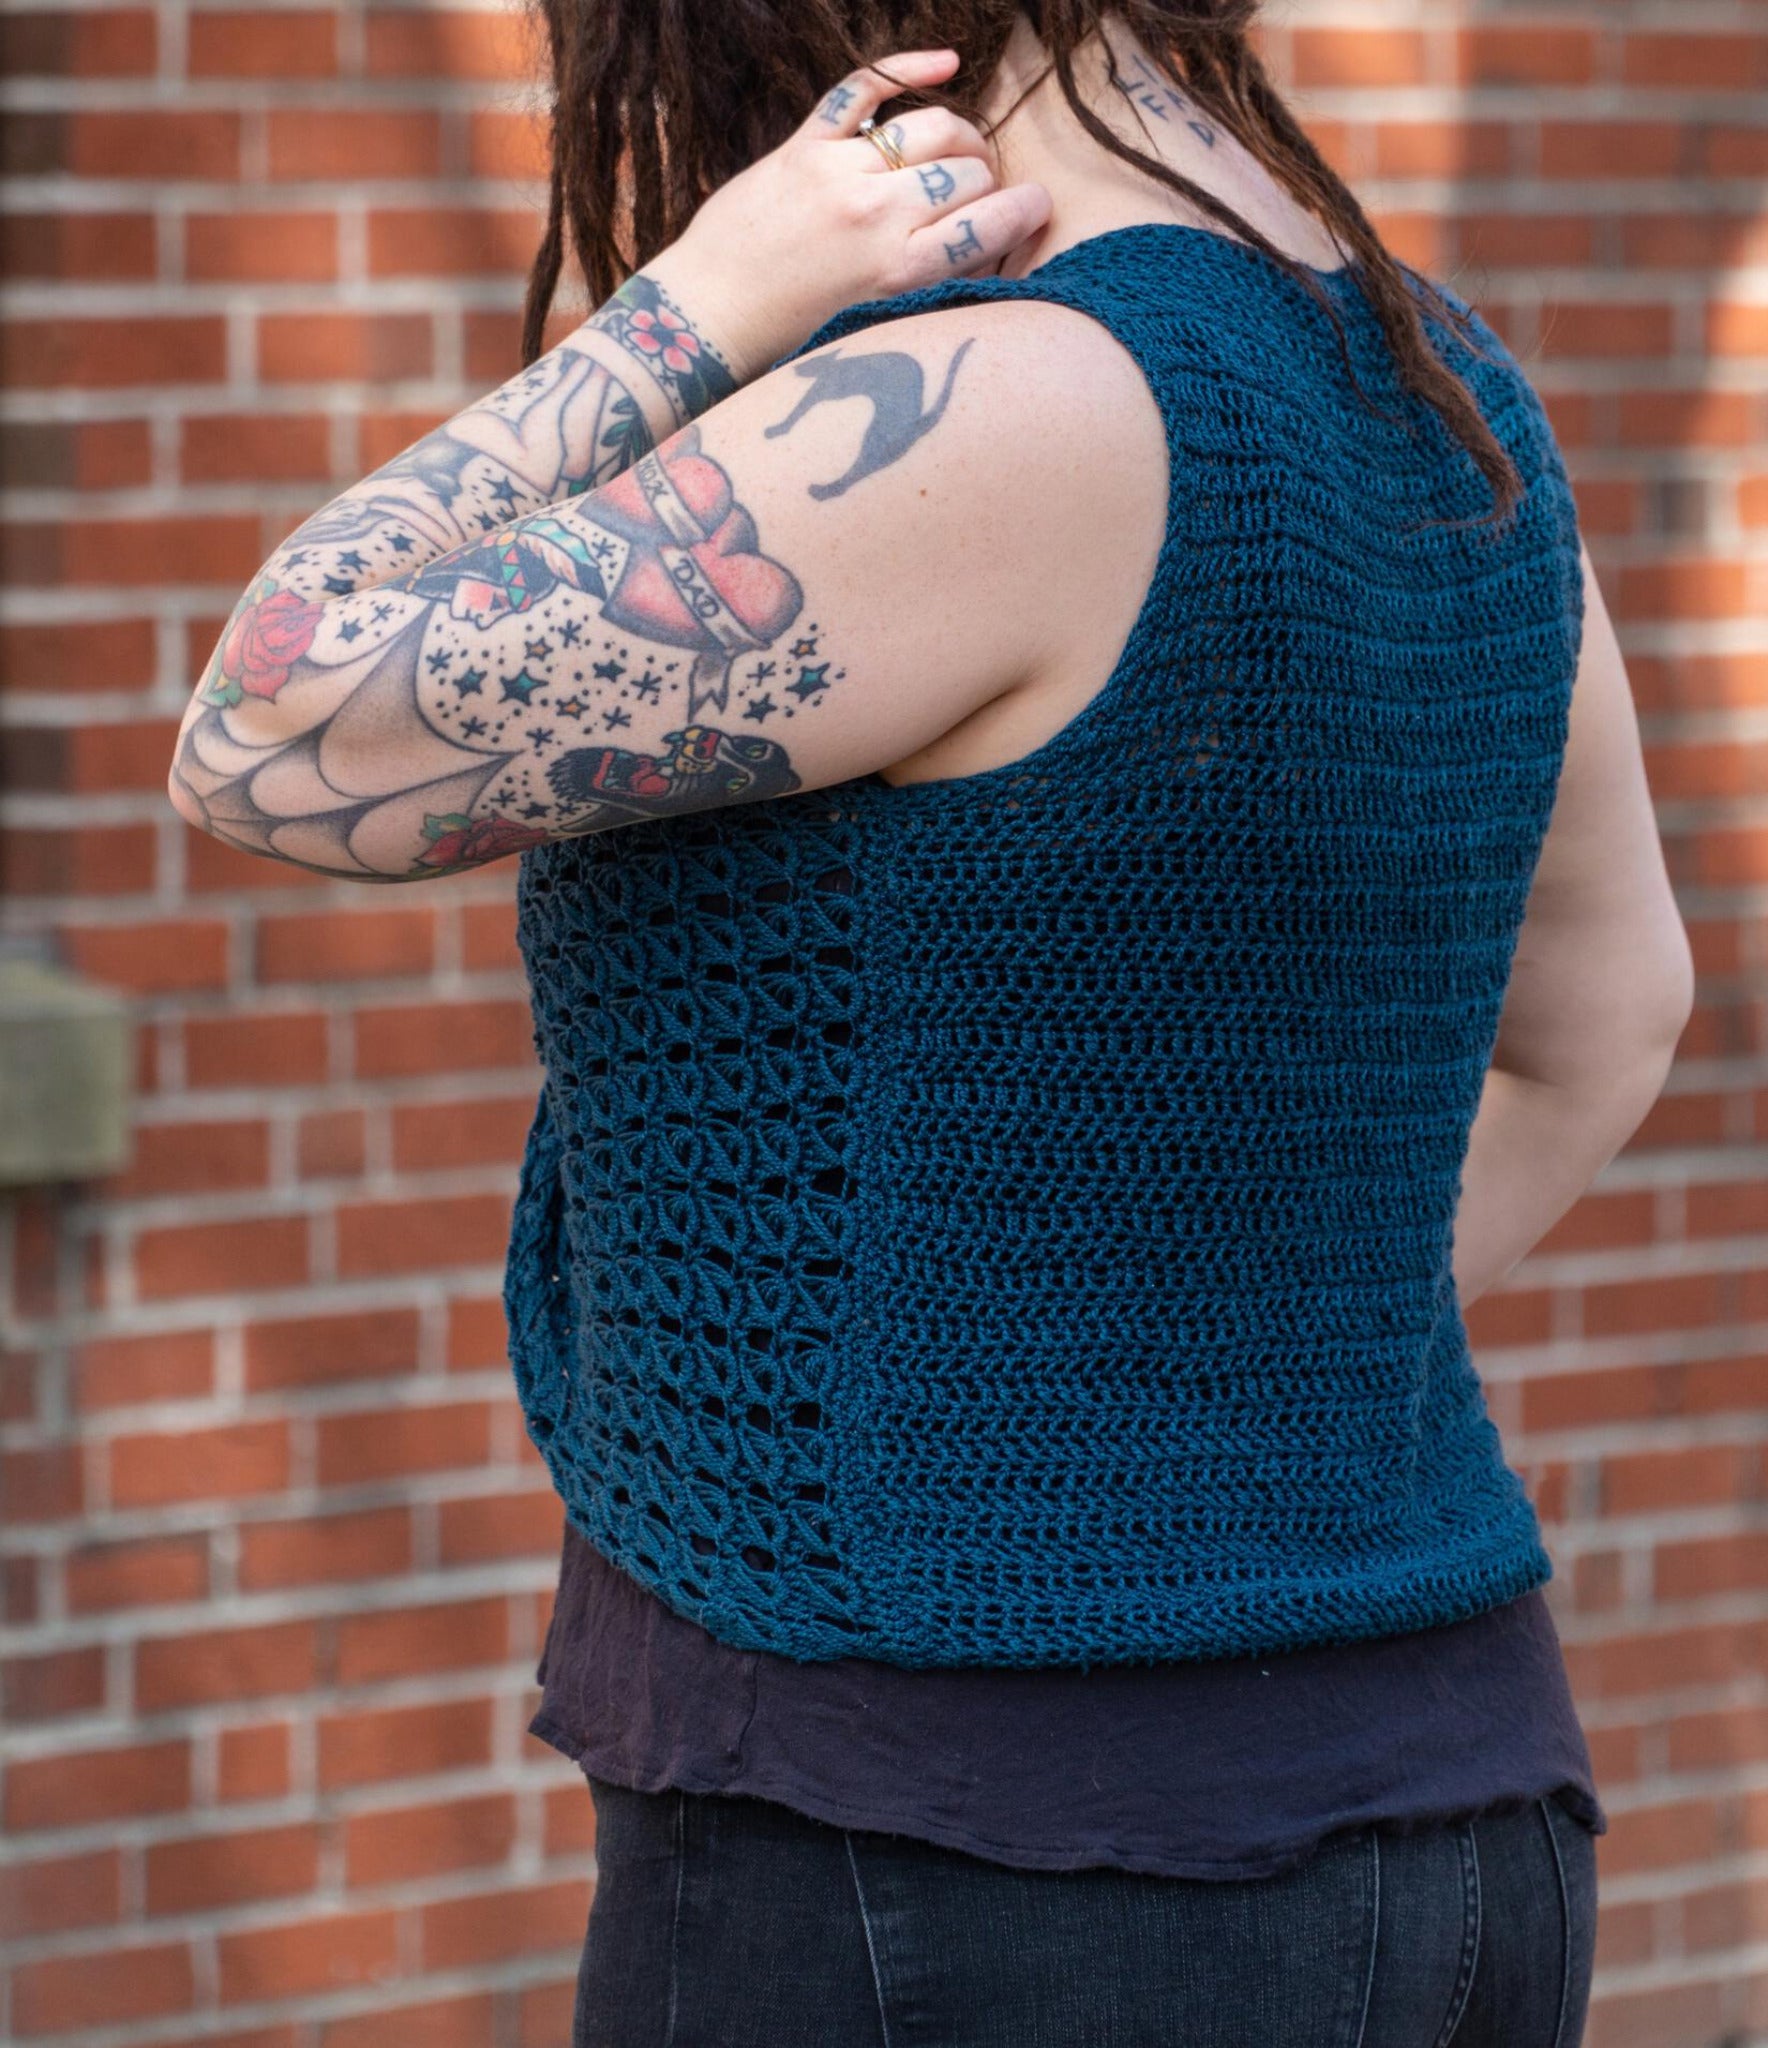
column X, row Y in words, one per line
column 969, row 243
column 937, row 182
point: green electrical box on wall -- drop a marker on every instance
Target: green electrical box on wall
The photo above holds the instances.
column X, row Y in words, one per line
column 64, row 1076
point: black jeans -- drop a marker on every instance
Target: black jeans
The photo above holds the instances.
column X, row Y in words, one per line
column 733, row 1922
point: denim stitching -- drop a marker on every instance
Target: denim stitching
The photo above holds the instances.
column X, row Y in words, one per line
column 681, row 1859
column 865, row 1920
column 1565, row 1920
column 1374, row 1935
column 1471, row 1910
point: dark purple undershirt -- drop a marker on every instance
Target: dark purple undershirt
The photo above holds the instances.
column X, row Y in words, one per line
column 1231, row 1767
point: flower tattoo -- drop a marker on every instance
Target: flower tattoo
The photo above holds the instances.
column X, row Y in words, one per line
column 645, row 323
column 265, row 641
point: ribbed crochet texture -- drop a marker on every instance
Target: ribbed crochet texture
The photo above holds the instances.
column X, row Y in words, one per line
column 1008, row 1220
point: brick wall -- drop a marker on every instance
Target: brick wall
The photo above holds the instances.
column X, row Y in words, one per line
column 276, row 1558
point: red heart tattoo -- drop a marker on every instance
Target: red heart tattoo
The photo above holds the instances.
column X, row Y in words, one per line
column 695, row 576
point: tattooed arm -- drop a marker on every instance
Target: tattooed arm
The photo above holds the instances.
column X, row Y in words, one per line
column 813, row 226
column 831, row 569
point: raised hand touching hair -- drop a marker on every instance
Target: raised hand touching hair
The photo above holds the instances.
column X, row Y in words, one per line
column 613, row 587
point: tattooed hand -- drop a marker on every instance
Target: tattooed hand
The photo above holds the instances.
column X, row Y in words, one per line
column 826, row 221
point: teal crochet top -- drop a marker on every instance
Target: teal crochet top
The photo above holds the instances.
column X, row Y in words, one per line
column 1007, row 1220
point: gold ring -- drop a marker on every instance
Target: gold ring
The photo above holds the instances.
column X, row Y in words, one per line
column 883, row 144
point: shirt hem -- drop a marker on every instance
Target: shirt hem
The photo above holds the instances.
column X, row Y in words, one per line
column 616, row 1769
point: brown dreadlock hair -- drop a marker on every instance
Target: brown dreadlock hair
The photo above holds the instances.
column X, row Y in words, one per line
column 656, row 103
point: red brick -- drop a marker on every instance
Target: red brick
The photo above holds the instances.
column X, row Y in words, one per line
column 382, row 435
column 409, row 1237
column 478, row 1335
column 382, row 142
column 261, row 247
column 1685, row 419
column 57, row 1894
column 1706, row 1566
column 569, row 1828
column 63, row 1993
column 41, row 1485
column 1712, row 1386
column 225, row 1664
column 1738, row 327
column 58, row 1682
column 253, row 1763
column 1723, row 1739
column 308, row 1957
column 228, row 1463
column 159, row 958
column 1444, row 149
column 220, row 448
column 488, row 938
column 1655, row 1481
column 193, row 1158
column 419, row 1841
column 94, row 654
column 86, row 860
column 314, row 1350
column 76, row 455
column 391, row 1443
column 507, row 145
column 1344, row 56
column 1613, row 149
column 373, row 1745
column 83, row 1787
column 103, row 355
column 371, row 1545
column 332, row 1144
column 459, row 1933
column 1606, row 330
column 501, row 1525
column 1681, row 59
column 452, row 241
column 160, row 1571
column 127, row 553
column 1661, row 1837
column 1619, row 1666
column 429, row 1137
column 100, row 758
column 262, row 1048
column 371, row 945
column 443, row 1038
column 203, row 1873
column 487, row 44
column 263, row 42
column 310, row 348
column 1735, row 152
column 405, row 1642
column 545, row 2013
column 1623, row 1308
column 107, row 42
column 1493, row 53
column 21, row 1592
column 92, row 247
column 1692, row 2012
column 221, row 1258
column 150, row 143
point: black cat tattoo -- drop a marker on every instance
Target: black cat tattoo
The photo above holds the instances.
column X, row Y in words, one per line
column 893, row 383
